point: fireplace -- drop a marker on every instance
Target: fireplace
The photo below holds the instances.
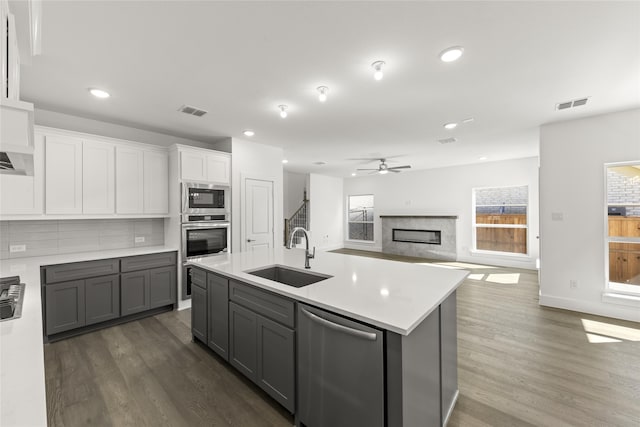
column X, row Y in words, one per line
column 423, row 236
column 428, row 237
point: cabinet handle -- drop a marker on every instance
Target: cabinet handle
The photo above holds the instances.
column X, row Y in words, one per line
column 370, row 336
column 251, row 240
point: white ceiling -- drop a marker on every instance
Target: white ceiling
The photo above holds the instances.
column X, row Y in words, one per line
column 239, row 60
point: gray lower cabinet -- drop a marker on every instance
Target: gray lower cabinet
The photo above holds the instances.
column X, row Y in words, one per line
column 243, row 343
column 218, row 314
column 65, row 306
column 199, row 313
column 85, row 294
column 264, row 351
column 134, row 292
column 162, row 286
column 102, row 298
column 276, row 350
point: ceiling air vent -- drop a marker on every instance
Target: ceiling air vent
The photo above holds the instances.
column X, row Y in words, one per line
column 447, row 140
column 188, row 109
column 571, row 104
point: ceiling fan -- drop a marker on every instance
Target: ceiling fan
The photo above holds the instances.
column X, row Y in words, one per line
column 383, row 168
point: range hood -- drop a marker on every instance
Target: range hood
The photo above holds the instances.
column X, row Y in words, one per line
column 16, row 137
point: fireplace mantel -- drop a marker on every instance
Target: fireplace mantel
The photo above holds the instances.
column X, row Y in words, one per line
column 420, row 216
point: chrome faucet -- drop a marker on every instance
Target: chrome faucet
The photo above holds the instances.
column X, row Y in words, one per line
column 307, row 255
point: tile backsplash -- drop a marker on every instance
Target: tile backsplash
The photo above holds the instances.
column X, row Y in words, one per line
column 50, row 237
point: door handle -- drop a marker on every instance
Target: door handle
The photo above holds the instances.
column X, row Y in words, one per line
column 370, row 336
column 251, row 240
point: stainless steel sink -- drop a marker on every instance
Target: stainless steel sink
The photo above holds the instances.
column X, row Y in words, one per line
column 288, row 276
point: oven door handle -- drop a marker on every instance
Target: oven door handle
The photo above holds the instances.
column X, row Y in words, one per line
column 196, row 225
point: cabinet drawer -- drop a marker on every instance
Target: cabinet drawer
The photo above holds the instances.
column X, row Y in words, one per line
column 273, row 306
column 144, row 262
column 81, row 270
column 198, row 277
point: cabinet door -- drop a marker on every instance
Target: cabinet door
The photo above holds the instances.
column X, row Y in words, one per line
column 63, row 175
column 156, row 182
column 134, row 292
column 218, row 310
column 199, row 313
column 243, row 348
column 616, row 266
column 98, row 177
column 162, row 286
column 193, row 166
column 102, row 298
column 633, row 268
column 64, row 306
column 632, row 227
column 129, row 180
column 276, row 368
column 219, row 169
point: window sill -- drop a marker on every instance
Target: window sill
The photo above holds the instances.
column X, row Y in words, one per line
column 506, row 255
column 614, row 297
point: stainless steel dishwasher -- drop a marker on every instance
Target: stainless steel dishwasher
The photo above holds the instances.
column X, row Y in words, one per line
column 340, row 371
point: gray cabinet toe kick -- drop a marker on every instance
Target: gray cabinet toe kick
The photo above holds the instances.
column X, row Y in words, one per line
column 84, row 296
column 325, row 368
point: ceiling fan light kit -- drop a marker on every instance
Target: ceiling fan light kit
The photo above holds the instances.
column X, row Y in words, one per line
column 383, row 168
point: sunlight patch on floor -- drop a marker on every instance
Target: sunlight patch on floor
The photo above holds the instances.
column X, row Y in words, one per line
column 615, row 333
column 599, row 339
column 504, row 279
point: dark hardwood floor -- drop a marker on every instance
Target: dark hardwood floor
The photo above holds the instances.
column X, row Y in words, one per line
column 519, row 365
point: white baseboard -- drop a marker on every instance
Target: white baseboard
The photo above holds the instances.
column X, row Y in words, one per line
column 598, row 308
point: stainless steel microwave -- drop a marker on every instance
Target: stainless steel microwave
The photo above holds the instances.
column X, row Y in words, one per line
column 206, row 199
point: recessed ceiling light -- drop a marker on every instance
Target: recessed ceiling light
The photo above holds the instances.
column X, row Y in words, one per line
column 99, row 93
column 322, row 90
column 283, row 111
column 353, row 174
column 451, row 54
column 285, row 161
column 377, row 66
column 249, row 132
column 483, row 158
column 450, row 126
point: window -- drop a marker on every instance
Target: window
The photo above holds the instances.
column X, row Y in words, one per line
column 360, row 217
column 623, row 226
column 500, row 219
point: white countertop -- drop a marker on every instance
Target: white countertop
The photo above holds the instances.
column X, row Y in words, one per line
column 395, row 296
column 22, row 384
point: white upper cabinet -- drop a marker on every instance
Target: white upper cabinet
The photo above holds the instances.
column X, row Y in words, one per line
column 193, row 166
column 63, row 175
column 200, row 165
column 129, row 180
column 98, row 177
column 219, row 169
column 156, row 182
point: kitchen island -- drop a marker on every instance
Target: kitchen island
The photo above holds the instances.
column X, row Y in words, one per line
column 388, row 353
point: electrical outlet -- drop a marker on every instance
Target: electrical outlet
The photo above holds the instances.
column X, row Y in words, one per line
column 17, row 248
column 573, row 283
column 139, row 239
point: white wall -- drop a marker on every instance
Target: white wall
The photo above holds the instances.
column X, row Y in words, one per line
column 326, row 211
column 253, row 160
column 80, row 124
column 448, row 191
column 294, row 185
column 572, row 183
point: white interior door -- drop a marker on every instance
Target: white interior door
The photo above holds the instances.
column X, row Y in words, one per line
column 258, row 205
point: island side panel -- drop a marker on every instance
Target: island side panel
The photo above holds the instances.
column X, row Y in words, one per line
column 449, row 355
column 413, row 375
